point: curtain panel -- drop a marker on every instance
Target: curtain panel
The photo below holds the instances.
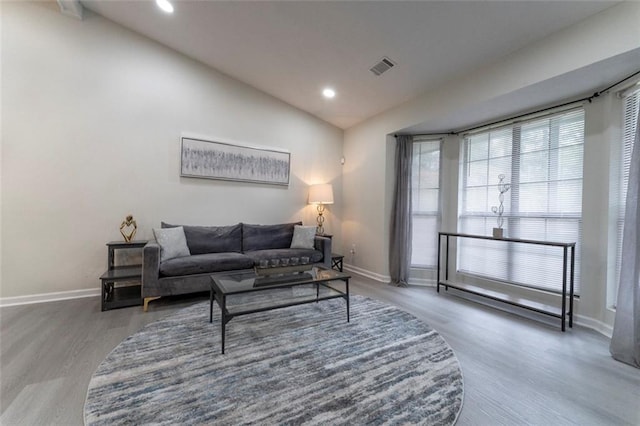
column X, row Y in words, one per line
column 400, row 239
column 625, row 342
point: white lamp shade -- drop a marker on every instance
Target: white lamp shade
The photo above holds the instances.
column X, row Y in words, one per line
column 321, row 194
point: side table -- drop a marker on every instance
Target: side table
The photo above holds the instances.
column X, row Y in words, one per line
column 114, row 296
column 336, row 261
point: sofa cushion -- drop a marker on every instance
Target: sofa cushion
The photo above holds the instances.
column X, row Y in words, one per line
column 204, row 263
column 258, row 255
column 212, row 239
column 172, row 243
column 261, row 237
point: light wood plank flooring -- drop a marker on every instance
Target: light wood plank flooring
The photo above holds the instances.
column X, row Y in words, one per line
column 516, row 370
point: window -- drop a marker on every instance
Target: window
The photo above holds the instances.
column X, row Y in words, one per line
column 542, row 160
column 631, row 105
column 425, row 196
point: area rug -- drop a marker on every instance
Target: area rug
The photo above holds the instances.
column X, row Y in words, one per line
column 298, row 365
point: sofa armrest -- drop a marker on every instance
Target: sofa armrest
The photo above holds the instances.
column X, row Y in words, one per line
column 150, row 269
column 323, row 244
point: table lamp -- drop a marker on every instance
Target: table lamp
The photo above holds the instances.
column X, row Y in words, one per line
column 320, row 194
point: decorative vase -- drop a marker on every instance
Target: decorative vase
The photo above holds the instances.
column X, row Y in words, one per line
column 498, row 233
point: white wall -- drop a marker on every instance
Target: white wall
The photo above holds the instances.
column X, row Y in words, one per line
column 1, row 137
column 91, row 124
column 610, row 33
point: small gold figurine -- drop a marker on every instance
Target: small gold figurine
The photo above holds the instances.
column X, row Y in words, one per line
column 128, row 222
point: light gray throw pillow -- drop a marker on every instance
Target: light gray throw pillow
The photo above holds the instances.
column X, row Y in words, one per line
column 303, row 237
column 172, row 242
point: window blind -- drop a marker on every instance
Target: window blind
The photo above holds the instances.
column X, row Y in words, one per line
column 631, row 105
column 542, row 159
column 425, row 196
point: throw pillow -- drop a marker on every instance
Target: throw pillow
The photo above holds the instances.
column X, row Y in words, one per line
column 303, row 237
column 172, row 242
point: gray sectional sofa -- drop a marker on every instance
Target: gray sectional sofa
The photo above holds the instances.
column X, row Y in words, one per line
column 221, row 248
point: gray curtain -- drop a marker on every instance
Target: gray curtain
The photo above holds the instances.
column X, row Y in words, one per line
column 400, row 241
column 625, row 342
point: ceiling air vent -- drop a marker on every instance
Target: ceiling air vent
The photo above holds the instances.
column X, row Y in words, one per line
column 384, row 65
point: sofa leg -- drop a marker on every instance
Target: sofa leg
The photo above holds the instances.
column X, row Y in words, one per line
column 146, row 302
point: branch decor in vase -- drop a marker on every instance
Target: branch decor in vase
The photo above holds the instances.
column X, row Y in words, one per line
column 499, row 210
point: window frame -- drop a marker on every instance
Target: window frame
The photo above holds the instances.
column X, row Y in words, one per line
column 437, row 213
column 515, row 217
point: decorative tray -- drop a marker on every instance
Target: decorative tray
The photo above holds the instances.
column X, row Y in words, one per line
column 279, row 270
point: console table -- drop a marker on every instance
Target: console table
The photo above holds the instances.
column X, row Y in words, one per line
column 123, row 296
column 568, row 265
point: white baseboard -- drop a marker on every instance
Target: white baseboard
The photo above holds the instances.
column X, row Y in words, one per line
column 424, row 282
column 367, row 273
column 593, row 324
column 48, row 297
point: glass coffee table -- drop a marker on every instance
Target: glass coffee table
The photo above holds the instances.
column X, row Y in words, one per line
column 250, row 291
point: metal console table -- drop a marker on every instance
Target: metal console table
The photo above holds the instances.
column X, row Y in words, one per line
column 568, row 265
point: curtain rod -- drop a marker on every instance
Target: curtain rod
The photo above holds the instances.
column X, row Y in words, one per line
column 595, row 95
column 424, row 134
column 588, row 98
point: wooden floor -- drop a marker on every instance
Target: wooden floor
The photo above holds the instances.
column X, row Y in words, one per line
column 516, row 370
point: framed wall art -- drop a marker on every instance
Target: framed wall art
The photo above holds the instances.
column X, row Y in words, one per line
column 207, row 159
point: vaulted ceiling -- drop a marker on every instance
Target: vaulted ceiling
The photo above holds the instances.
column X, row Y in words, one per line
column 292, row 50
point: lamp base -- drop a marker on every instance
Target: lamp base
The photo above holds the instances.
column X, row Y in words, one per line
column 320, row 220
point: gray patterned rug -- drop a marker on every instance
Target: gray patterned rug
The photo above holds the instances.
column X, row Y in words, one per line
column 298, row 365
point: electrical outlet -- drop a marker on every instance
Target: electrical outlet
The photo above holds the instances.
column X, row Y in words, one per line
column 353, row 249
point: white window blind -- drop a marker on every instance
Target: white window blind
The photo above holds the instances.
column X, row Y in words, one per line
column 542, row 159
column 425, row 196
column 631, row 105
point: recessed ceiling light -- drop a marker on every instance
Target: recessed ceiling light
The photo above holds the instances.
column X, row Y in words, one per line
column 165, row 5
column 328, row 93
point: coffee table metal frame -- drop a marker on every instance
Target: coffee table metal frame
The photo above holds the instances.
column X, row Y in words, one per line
column 219, row 293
